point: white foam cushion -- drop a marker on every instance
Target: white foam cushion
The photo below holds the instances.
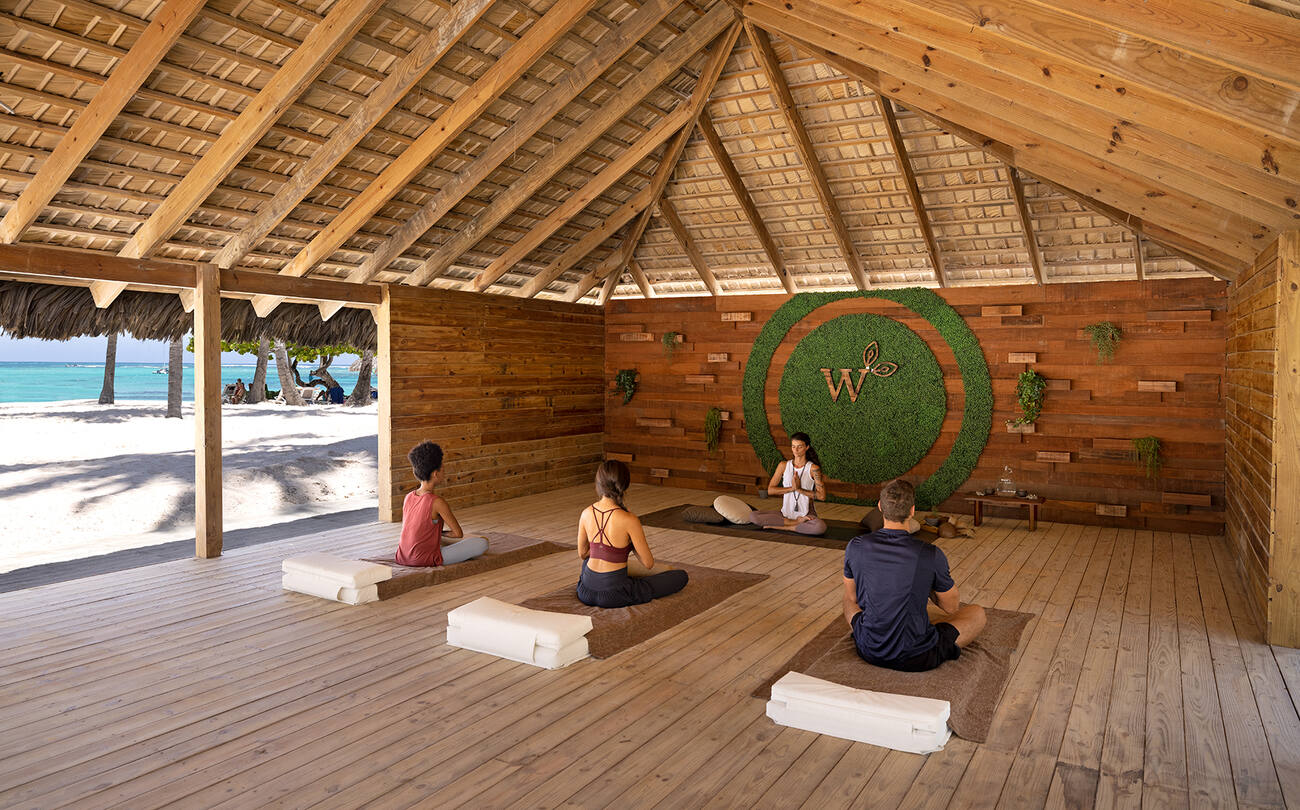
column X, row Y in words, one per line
column 347, row 573
column 733, row 509
column 328, row 588
column 537, row 637
column 901, row 722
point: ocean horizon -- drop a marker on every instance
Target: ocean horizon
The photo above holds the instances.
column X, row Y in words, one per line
column 44, row 381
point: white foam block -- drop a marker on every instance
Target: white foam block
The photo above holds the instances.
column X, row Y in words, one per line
column 901, row 722
column 347, row 573
column 537, row 637
column 327, row 588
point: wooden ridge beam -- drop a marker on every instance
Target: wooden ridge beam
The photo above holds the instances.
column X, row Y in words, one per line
column 608, row 51
column 678, row 53
column 1017, row 188
column 913, row 190
column 771, row 66
column 118, row 89
column 719, row 51
column 1133, row 197
column 325, row 41
column 737, row 186
column 675, row 224
column 401, row 79
column 467, row 107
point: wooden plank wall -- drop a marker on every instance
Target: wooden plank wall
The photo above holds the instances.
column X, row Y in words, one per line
column 511, row 389
column 1174, row 335
column 1249, row 410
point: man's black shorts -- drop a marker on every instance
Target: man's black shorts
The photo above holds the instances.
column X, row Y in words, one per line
column 945, row 649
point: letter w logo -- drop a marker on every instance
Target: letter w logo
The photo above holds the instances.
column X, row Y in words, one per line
column 845, row 381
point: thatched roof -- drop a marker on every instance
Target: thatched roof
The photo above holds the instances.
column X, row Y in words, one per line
column 60, row 312
column 535, row 147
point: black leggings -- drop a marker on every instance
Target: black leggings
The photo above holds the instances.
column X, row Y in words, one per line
column 615, row 589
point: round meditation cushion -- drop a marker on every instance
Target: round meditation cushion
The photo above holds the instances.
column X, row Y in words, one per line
column 733, row 509
column 874, row 521
column 702, row 514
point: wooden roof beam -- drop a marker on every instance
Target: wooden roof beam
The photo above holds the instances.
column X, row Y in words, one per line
column 684, row 239
column 608, row 51
column 767, row 59
column 678, row 53
column 639, row 276
column 119, row 88
column 607, row 290
column 467, row 107
column 1026, row 223
column 404, row 76
column 1137, row 256
column 913, row 190
column 737, row 185
column 324, row 42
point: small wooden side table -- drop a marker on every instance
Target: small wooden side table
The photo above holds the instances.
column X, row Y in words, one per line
column 1006, row 500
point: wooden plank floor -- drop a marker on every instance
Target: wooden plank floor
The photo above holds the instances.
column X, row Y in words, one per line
column 1142, row 682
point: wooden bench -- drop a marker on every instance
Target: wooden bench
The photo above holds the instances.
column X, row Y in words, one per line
column 1005, row 500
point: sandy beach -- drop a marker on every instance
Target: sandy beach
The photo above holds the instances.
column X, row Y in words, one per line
column 78, row 478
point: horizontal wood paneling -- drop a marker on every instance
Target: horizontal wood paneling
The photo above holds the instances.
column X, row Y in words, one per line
column 512, row 390
column 1249, row 414
column 1087, row 400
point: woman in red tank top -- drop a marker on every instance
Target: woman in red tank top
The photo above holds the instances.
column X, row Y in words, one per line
column 607, row 534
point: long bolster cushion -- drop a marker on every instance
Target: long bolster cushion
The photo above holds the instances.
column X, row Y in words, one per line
column 538, row 637
column 327, row 588
column 347, row 573
column 901, row 722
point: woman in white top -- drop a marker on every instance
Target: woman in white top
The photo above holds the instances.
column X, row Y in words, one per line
column 799, row 483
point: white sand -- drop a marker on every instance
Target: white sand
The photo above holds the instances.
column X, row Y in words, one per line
column 78, row 478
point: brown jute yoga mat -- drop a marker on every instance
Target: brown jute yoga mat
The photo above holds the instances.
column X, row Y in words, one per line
column 972, row 684
column 616, row 629
column 503, row 550
column 838, row 532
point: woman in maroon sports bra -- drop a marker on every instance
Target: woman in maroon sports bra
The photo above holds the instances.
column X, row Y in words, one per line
column 607, row 532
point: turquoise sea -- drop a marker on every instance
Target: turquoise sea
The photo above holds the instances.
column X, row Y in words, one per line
column 51, row 382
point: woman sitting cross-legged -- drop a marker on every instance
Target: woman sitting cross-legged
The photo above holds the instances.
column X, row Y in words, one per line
column 799, row 483
column 607, row 533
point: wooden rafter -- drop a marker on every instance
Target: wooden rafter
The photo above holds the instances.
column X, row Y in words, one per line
column 607, row 289
column 913, row 190
column 639, row 276
column 472, row 102
column 1138, row 261
column 566, row 89
column 678, row 53
column 737, row 186
column 118, row 89
column 321, row 45
column 1017, row 188
column 771, row 66
column 684, row 239
column 403, row 77
column 1055, row 165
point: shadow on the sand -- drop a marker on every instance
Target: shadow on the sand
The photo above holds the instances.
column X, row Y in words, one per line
column 113, row 414
column 284, row 473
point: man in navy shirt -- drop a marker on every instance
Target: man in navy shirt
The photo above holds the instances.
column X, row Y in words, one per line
column 888, row 576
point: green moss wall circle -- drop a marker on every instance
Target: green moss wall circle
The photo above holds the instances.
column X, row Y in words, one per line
column 866, row 427
column 977, row 410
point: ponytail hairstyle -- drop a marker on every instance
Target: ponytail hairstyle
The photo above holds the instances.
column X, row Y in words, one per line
column 612, row 479
column 810, row 453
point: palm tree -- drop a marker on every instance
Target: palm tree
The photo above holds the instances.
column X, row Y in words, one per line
column 257, row 393
column 288, row 387
column 175, row 371
column 110, row 368
column 361, row 392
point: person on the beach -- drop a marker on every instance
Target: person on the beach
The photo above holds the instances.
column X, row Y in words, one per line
column 240, row 392
column 888, row 576
column 607, row 533
column 427, row 519
column 799, row 483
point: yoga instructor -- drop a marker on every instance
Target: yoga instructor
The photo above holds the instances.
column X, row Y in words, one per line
column 799, row 483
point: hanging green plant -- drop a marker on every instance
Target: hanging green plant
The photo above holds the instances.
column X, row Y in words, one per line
column 1030, row 389
column 712, row 428
column 625, row 379
column 1105, row 336
column 1146, row 451
column 670, row 343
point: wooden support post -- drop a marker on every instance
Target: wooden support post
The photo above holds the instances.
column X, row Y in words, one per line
column 207, row 412
column 390, row 510
column 1284, row 576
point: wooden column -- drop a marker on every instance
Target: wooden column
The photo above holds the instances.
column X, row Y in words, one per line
column 389, row 511
column 207, row 412
column 1284, row 595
